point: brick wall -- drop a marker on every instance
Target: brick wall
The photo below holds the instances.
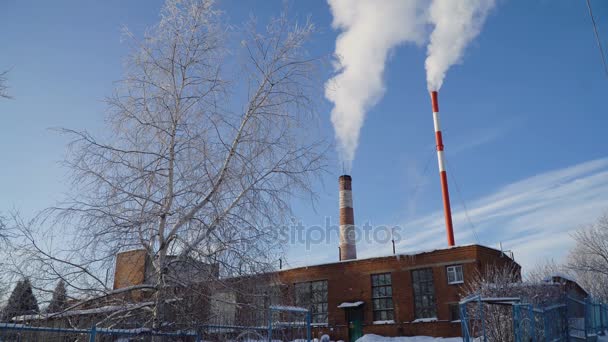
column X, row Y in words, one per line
column 130, row 268
column 350, row 281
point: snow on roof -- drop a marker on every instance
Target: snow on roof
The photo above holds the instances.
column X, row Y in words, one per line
column 288, row 308
column 497, row 300
column 425, row 320
column 99, row 310
column 560, row 275
column 378, row 338
column 125, row 331
column 564, row 276
column 350, row 304
column 398, row 255
column 13, row 325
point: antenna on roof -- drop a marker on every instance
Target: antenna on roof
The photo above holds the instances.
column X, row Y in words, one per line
column 508, row 253
column 393, row 239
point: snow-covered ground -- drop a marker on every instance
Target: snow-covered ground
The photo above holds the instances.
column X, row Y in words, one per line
column 377, row 338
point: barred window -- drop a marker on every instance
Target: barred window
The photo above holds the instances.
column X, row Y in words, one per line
column 455, row 275
column 313, row 295
column 424, row 293
column 382, row 297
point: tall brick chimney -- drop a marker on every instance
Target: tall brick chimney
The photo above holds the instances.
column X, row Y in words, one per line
column 348, row 247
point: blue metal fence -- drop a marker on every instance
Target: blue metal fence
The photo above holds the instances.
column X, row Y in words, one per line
column 571, row 320
column 483, row 318
column 470, row 323
column 288, row 323
column 596, row 316
column 10, row 332
column 540, row 324
column 284, row 324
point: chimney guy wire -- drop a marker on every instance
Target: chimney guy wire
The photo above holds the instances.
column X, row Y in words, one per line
column 597, row 37
column 464, row 204
column 424, row 171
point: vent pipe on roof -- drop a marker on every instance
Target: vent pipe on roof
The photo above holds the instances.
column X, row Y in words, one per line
column 348, row 247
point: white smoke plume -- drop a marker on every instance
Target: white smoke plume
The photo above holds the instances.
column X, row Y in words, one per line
column 370, row 29
column 457, row 23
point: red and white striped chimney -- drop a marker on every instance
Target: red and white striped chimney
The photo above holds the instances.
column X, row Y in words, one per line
column 348, row 247
column 442, row 172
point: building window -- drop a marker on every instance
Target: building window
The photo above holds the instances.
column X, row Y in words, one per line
column 455, row 275
column 424, row 293
column 313, row 295
column 454, row 312
column 382, row 297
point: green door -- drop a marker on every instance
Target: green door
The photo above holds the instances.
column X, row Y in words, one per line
column 355, row 323
column 355, row 330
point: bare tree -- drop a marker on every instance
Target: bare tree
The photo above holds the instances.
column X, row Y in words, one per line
column 4, row 230
column 589, row 258
column 505, row 282
column 195, row 165
column 4, row 86
column 6, row 235
column 543, row 271
column 3, row 280
column 493, row 282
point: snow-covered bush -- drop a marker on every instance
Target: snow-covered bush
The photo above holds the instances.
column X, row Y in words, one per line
column 505, row 282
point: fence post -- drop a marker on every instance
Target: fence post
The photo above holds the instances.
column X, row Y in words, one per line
column 481, row 317
column 516, row 322
column 308, row 326
column 93, row 333
column 533, row 322
column 586, row 316
column 600, row 314
column 567, row 318
column 269, row 324
column 603, row 317
column 464, row 316
column 546, row 336
column 592, row 314
column 598, row 318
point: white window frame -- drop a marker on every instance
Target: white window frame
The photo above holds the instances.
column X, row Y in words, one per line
column 453, row 270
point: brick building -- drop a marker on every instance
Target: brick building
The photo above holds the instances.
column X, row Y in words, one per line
column 397, row 295
column 400, row 295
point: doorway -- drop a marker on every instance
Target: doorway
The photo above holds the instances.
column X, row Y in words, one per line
column 354, row 317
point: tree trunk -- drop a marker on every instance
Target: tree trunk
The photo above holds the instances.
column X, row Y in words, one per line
column 160, row 294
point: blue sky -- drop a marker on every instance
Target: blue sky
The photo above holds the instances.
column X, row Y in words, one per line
column 523, row 116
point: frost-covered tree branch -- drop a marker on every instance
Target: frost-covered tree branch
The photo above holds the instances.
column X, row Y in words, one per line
column 494, row 282
column 4, row 86
column 547, row 269
column 205, row 146
column 589, row 258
